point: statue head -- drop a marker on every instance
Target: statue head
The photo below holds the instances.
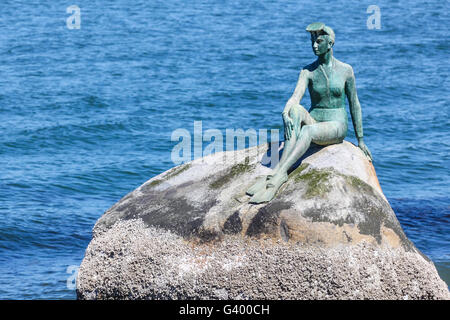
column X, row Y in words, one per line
column 322, row 38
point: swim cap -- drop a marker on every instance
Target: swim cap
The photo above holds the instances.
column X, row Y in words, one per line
column 320, row 29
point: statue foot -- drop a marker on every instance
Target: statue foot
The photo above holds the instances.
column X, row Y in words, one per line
column 267, row 194
column 260, row 184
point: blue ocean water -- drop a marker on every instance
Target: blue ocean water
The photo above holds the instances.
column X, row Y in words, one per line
column 86, row 115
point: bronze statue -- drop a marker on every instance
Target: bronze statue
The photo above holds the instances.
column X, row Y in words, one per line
column 329, row 81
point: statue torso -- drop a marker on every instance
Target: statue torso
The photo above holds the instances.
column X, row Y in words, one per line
column 327, row 91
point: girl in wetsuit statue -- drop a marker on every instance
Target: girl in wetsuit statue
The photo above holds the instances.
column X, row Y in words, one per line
column 329, row 81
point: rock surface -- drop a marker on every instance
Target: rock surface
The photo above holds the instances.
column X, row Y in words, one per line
column 190, row 233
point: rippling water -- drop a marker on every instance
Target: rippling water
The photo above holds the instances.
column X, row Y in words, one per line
column 86, row 115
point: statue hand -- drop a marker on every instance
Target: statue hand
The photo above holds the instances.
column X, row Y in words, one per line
column 288, row 126
column 364, row 149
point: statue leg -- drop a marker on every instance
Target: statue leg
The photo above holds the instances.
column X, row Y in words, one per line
column 320, row 132
column 299, row 117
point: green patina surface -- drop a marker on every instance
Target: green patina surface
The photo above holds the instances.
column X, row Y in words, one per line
column 234, row 171
column 329, row 82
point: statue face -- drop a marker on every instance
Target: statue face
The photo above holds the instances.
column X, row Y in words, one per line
column 320, row 44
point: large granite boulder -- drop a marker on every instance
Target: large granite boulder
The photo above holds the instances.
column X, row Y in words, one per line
column 190, row 233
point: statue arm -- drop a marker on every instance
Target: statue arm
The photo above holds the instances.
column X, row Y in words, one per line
column 294, row 100
column 355, row 111
column 355, row 107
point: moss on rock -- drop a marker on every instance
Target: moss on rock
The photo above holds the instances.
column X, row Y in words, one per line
column 234, row 171
column 172, row 173
column 296, row 174
column 316, row 182
column 358, row 184
column 154, row 183
column 176, row 171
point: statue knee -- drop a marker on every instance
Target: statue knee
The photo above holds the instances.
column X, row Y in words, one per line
column 296, row 113
column 293, row 111
column 305, row 132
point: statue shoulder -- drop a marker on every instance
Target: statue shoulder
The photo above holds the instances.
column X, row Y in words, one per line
column 308, row 70
column 310, row 67
column 345, row 68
